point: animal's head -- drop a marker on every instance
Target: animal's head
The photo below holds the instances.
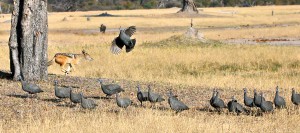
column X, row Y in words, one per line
column 170, row 94
column 138, row 88
column 87, row 56
column 233, row 99
column 277, row 88
column 55, row 82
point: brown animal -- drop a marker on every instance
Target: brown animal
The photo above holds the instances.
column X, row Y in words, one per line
column 69, row 58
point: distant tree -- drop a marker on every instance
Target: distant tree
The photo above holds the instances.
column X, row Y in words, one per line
column 29, row 39
column 188, row 6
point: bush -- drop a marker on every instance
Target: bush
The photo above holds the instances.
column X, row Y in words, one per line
column 173, row 4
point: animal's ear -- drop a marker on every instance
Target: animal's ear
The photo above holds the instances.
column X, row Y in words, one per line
column 83, row 51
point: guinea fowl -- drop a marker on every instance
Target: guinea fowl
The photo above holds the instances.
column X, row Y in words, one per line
column 231, row 107
column 74, row 97
column 110, row 89
column 248, row 101
column 29, row 87
column 142, row 96
column 266, row 106
column 295, row 97
column 234, row 106
column 257, row 99
column 102, row 28
column 87, row 103
column 122, row 102
column 61, row 92
column 175, row 104
column 218, row 103
column 124, row 39
column 211, row 101
column 154, row 97
column 278, row 100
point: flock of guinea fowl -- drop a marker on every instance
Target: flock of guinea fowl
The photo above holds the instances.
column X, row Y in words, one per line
column 175, row 104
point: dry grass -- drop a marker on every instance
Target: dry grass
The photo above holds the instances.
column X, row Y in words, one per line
column 162, row 56
column 46, row 115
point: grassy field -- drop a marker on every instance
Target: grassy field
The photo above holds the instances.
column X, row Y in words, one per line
column 164, row 58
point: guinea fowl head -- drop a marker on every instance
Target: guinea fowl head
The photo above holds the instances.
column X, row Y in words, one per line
column 170, row 94
column 100, row 81
column 255, row 94
column 138, row 88
column 293, row 91
column 55, row 82
column 233, row 99
column 81, row 95
column 262, row 96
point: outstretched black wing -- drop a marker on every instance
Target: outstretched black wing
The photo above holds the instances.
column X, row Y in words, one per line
column 130, row 31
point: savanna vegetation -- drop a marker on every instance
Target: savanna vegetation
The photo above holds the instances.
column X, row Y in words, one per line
column 165, row 59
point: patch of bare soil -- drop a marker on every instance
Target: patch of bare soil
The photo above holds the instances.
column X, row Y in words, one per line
column 185, row 15
column 270, row 41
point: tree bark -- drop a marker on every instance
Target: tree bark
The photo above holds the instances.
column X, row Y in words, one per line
column 29, row 40
column 188, row 6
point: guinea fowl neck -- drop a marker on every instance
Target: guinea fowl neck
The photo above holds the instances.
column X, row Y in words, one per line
column 213, row 94
column 255, row 94
column 81, row 97
column 261, row 98
column 138, row 89
column 101, row 83
column 217, row 95
column 293, row 93
column 55, row 86
column 245, row 93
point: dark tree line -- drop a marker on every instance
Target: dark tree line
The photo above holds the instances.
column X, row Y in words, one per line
column 84, row 5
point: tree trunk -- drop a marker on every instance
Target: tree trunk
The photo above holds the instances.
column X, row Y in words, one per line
column 29, row 40
column 188, row 6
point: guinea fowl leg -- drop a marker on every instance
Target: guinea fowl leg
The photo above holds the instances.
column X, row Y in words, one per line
column 36, row 96
column 27, row 95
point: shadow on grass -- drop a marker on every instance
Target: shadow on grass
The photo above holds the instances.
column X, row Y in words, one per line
column 18, row 96
column 98, row 97
column 66, row 105
column 205, row 109
column 54, row 100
